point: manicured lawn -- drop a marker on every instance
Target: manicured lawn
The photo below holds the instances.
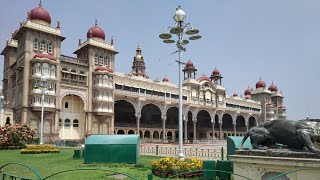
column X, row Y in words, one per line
column 48, row 164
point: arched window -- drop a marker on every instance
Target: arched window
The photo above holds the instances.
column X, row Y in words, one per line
column 96, row 59
column 82, row 76
column 73, row 74
column 76, row 123
column 65, row 73
column 43, row 46
column 101, row 60
column 52, row 71
column 45, row 68
column 106, row 61
column 50, row 48
column 35, row 44
column 67, row 123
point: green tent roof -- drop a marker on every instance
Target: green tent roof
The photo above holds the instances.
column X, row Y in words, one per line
column 112, row 139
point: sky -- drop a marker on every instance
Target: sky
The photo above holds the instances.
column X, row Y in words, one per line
column 277, row 41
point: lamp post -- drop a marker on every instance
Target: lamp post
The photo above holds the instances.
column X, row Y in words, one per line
column 44, row 86
column 179, row 30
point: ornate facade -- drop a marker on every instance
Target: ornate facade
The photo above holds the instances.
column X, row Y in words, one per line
column 85, row 94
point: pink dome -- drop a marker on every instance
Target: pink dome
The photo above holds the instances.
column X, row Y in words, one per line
column 273, row 88
column 165, row 79
column 47, row 56
column 203, row 78
column 247, row 92
column 216, row 72
column 189, row 64
column 96, row 32
column 260, row 84
column 103, row 68
column 39, row 13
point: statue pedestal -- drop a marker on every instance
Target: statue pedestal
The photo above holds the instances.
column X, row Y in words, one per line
column 259, row 164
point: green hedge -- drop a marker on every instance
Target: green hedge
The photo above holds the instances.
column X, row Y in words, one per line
column 39, row 149
column 12, row 147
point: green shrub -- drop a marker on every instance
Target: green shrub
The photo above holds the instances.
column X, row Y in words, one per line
column 15, row 135
column 39, row 149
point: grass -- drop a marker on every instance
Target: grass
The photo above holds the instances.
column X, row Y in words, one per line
column 47, row 164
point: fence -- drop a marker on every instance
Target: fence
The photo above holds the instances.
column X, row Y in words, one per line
column 202, row 152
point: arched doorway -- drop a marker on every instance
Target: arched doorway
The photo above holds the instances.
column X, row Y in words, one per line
column 150, row 117
column 172, row 121
column 72, row 118
column 124, row 114
column 120, row 132
column 203, row 124
column 130, row 132
column 227, row 123
column 252, row 122
column 241, row 124
column 189, row 126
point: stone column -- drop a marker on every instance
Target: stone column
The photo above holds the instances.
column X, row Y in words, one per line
column 220, row 130
column 247, row 127
column 89, row 125
column 56, row 124
column 212, row 129
column 164, row 134
column 185, row 140
column 194, row 131
column 112, row 125
column 173, row 136
column 234, row 129
column 138, row 124
column 151, row 135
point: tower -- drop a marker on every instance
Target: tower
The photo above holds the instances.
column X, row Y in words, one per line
column 189, row 71
column 37, row 55
column 100, row 58
column 216, row 77
column 138, row 65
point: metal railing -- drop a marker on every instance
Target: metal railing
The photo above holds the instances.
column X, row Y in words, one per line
column 202, row 152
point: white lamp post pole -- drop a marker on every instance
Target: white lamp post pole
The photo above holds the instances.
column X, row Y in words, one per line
column 180, row 29
column 41, row 126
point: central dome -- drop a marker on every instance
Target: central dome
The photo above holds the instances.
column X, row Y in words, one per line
column 96, row 32
column 39, row 13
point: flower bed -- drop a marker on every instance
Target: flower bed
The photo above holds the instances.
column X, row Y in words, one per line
column 39, row 149
column 170, row 166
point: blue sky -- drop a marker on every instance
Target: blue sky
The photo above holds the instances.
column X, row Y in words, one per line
column 276, row 40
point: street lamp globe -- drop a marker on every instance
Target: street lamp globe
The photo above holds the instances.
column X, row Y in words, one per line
column 180, row 15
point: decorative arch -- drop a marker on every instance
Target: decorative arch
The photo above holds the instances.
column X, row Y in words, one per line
column 227, row 123
column 77, row 94
column 240, row 123
column 252, row 122
column 129, row 101
column 134, row 104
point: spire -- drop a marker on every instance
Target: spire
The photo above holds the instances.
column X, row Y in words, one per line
column 79, row 42
column 112, row 40
column 96, row 23
column 40, row 3
column 58, row 24
column 28, row 17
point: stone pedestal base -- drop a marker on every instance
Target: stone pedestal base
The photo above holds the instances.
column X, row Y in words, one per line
column 264, row 167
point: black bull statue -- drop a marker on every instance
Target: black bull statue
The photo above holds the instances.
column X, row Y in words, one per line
column 293, row 134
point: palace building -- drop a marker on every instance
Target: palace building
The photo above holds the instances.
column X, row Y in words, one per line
column 86, row 95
